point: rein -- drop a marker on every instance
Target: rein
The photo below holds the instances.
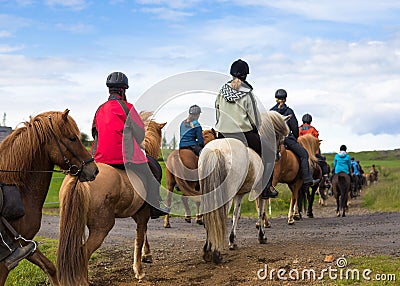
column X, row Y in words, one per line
column 73, row 170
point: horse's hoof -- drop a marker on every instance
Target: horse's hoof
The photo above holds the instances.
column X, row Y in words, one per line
column 167, row 225
column 188, row 219
column 147, row 259
column 290, row 222
column 233, row 246
column 338, row 214
column 297, row 217
column 267, row 225
column 310, row 215
column 217, row 257
column 257, row 226
column 207, row 256
column 199, row 221
column 343, row 215
column 262, row 241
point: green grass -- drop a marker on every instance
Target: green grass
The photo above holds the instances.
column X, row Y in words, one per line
column 382, row 267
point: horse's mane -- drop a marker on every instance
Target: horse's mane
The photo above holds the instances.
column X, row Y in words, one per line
column 23, row 147
column 152, row 140
column 311, row 144
column 273, row 124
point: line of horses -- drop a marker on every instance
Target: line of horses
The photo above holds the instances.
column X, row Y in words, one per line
column 98, row 194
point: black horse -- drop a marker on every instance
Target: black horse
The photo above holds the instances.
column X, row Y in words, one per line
column 341, row 188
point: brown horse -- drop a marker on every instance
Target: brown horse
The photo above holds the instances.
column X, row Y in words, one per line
column 97, row 204
column 28, row 156
column 287, row 170
column 341, row 187
column 181, row 172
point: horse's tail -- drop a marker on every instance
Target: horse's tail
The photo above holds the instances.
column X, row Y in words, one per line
column 212, row 173
column 72, row 261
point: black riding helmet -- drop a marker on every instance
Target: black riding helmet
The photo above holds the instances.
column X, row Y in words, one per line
column 118, row 80
column 343, row 148
column 281, row 94
column 307, row 118
column 194, row 109
column 240, row 69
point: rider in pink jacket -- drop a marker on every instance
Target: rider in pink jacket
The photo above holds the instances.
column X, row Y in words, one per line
column 117, row 140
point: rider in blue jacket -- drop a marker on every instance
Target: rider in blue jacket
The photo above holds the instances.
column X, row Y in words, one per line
column 342, row 162
column 191, row 133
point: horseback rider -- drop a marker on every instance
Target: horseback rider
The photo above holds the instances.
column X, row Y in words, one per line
column 112, row 148
column 237, row 113
column 342, row 162
column 306, row 127
column 12, row 252
column 191, row 136
column 290, row 141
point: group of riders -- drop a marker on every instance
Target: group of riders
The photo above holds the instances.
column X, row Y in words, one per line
column 118, row 133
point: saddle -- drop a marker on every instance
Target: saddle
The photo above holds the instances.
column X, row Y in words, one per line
column 11, row 206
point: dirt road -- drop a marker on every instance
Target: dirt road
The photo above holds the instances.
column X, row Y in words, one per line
column 177, row 252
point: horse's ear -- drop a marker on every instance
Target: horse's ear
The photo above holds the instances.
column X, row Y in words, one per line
column 214, row 132
column 162, row 125
column 65, row 114
column 287, row 117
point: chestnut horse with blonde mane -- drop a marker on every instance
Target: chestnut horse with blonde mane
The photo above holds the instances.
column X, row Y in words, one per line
column 181, row 172
column 28, row 156
column 96, row 205
column 287, row 170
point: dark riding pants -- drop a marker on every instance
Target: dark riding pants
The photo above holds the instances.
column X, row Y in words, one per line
column 291, row 143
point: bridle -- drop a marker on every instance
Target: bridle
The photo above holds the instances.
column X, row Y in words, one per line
column 73, row 170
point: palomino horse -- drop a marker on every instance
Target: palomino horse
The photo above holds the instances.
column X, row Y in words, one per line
column 181, row 172
column 227, row 171
column 28, row 156
column 97, row 204
column 341, row 188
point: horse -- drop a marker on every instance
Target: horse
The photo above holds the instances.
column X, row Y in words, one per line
column 96, row 205
column 310, row 143
column 227, row 171
column 341, row 188
column 28, row 157
column 181, row 172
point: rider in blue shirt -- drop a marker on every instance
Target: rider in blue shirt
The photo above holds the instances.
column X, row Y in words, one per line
column 191, row 133
column 355, row 167
column 342, row 162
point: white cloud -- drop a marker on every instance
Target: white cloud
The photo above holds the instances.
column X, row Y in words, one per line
column 73, row 4
column 77, row 28
column 166, row 13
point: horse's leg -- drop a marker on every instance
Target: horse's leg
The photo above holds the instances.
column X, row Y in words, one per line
column 311, row 202
column 147, row 257
column 199, row 217
column 264, row 218
column 295, row 196
column 262, row 239
column 291, row 213
column 188, row 215
column 46, row 265
column 235, row 219
column 168, row 202
column 142, row 217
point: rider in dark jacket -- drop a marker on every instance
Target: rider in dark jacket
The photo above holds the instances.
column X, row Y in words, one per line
column 290, row 141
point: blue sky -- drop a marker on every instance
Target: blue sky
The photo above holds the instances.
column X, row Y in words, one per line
column 338, row 60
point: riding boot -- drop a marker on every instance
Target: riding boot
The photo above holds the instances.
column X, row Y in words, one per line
column 305, row 171
column 11, row 253
column 269, row 191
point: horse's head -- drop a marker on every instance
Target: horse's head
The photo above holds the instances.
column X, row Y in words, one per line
column 209, row 135
column 152, row 141
column 61, row 137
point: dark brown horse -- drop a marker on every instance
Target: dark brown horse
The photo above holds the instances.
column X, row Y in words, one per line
column 28, row 156
column 181, row 172
column 96, row 205
column 341, row 187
